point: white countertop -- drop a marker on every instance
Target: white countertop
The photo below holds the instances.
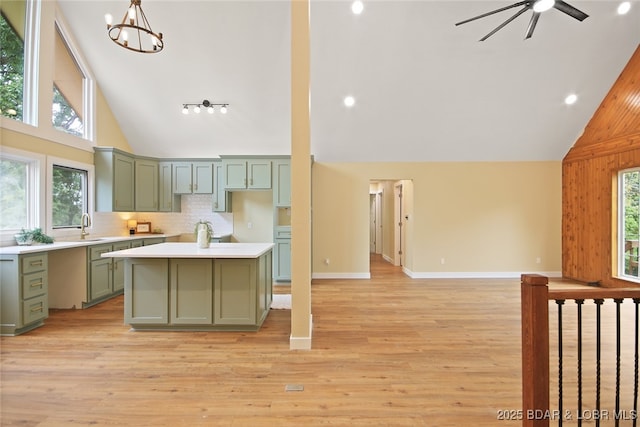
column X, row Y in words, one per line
column 191, row 250
column 90, row 240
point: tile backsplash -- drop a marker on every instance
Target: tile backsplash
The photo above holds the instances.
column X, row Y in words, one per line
column 194, row 207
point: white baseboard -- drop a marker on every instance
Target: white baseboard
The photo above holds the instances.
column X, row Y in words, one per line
column 477, row 274
column 366, row 275
column 302, row 343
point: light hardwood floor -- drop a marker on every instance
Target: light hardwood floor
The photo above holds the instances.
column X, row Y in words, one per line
column 390, row 351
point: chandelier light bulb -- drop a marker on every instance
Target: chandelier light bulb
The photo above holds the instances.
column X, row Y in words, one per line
column 210, row 110
column 196, row 109
column 125, row 36
column 185, row 110
column 108, row 18
column 132, row 15
column 543, row 5
column 223, row 109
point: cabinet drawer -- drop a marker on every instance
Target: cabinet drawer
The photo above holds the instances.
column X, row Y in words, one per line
column 283, row 233
column 34, row 284
column 33, row 263
column 35, row 309
column 95, row 252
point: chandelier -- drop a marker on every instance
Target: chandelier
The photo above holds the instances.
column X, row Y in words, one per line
column 206, row 104
column 134, row 32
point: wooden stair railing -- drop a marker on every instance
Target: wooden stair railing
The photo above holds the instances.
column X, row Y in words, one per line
column 535, row 297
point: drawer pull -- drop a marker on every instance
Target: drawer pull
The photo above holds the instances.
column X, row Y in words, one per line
column 37, row 309
column 37, row 263
column 37, row 284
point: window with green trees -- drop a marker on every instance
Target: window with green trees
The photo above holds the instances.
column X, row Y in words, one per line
column 68, row 89
column 11, row 67
column 69, row 196
column 629, row 209
column 14, row 189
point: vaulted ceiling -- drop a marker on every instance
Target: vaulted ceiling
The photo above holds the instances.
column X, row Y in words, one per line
column 424, row 89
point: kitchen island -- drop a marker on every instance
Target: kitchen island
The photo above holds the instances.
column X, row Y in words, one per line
column 179, row 286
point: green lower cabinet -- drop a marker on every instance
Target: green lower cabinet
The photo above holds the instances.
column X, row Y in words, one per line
column 235, row 291
column 190, row 291
column 23, row 292
column 282, row 260
column 198, row 294
column 105, row 276
column 146, row 294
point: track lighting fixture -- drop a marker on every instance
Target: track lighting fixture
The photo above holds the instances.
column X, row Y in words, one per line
column 209, row 106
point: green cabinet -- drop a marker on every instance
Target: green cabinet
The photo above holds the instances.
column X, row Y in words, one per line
column 193, row 177
column 198, row 293
column 105, row 276
column 190, row 291
column 282, row 260
column 167, row 201
column 282, row 219
column 23, row 292
column 243, row 174
column 146, row 295
column 114, row 174
column 146, row 185
column 282, row 183
column 221, row 197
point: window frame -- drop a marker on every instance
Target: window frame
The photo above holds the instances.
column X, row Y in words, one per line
column 37, row 121
column 69, row 232
column 35, row 194
column 620, row 274
column 88, row 82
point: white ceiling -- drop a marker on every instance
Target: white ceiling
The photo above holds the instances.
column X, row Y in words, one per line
column 425, row 89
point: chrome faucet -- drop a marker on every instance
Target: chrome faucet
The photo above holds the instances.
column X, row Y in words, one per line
column 84, row 223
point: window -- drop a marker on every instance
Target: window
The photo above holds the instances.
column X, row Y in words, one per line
column 14, row 194
column 70, row 196
column 629, row 218
column 21, row 182
column 68, row 89
column 12, row 16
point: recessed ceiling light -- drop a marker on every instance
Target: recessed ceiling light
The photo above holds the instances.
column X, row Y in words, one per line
column 349, row 101
column 357, row 7
column 624, row 7
column 571, row 99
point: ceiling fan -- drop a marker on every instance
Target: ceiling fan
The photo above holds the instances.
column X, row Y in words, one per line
column 538, row 6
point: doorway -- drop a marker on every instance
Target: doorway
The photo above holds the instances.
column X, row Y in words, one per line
column 389, row 213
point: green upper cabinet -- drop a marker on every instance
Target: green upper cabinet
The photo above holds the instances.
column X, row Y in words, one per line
column 221, row 197
column 193, row 177
column 242, row 174
column 167, row 201
column 282, row 183
column 114, row 180
column 146, row 179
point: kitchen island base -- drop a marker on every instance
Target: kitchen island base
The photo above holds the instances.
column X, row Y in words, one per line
column 198, row 294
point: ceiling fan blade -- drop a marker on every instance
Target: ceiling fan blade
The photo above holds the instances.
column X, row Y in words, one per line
column 532, row 24
column 494, row 11
column 570, row 10
column 499, row 27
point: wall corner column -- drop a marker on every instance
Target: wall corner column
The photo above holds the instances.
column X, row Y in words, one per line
column 301, row 324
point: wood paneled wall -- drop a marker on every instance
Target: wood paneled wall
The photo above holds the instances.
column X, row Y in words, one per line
column 610, row 142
